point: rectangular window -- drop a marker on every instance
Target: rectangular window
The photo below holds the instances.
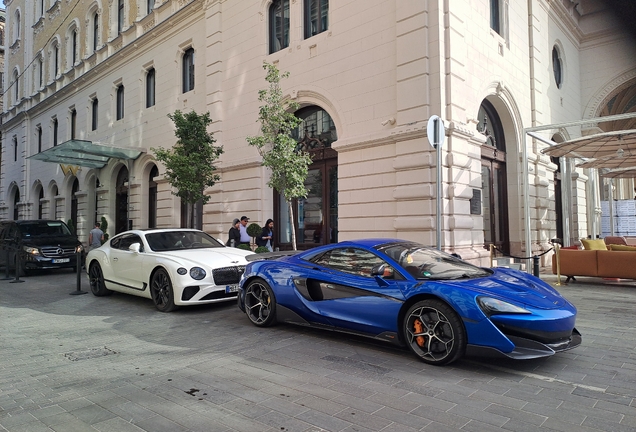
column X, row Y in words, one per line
column 73, row 122
column 74, row 49
column 278, row 25
column 120, row 102
column 56, row 54
column 15, row 149
column 39, row 139
column 188, row 70
column 151, row 6
column 150, row 88
column 316, row 17
column 54, row 132
column 95, row 106
column 41, row 72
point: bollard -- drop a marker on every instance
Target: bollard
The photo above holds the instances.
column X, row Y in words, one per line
column 8, row 257
column 535, row 265
column 18, row 266
column 78, row 290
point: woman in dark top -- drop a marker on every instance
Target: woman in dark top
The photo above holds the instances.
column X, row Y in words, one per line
column 234, row 234
column 267, row 236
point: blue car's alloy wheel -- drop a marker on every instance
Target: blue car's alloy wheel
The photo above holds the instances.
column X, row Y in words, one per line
column 162, row 292
column 434, row 332
column 260, row 303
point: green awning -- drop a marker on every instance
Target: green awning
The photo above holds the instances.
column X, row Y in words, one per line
column 85, row 153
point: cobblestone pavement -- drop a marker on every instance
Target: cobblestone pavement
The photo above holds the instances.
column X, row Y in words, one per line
column 114, row 364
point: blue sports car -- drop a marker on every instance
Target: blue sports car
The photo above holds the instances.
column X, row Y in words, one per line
column 398, row 291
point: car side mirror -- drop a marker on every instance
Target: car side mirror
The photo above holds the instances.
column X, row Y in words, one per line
column 135, row 247
column 378, row 270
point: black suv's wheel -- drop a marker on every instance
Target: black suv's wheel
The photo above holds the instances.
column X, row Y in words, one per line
column 162, row 292
column 434, row 332
column 96, row 278
column 260, row 303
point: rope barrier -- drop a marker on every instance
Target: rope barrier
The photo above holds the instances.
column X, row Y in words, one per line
column 521, row 258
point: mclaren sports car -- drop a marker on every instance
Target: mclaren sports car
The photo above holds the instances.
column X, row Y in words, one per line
column 438, row 305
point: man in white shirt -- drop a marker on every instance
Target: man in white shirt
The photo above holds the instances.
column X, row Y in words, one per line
column 245, row 237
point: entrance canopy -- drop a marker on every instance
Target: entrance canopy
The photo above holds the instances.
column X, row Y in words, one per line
column 619, row 144
column 611, row 161
column 86, row 154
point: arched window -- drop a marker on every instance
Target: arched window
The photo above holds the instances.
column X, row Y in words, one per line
column 55, row 127
column 39, row 132
column 40, row 72
column 152, row 197
column 16, row 87
column 120, row 16
column 120, row 102
column 278, row 25
column 150, row 88
column 73, row 47
column 557, row 67
column 316, row 17
column 95, row 31
column 16, row 33
column 188, row 70
column 15, row 148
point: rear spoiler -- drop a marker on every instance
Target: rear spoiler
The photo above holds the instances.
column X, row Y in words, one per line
column 270, row 255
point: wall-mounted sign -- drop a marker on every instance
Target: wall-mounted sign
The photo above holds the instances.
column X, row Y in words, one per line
column 475, row 202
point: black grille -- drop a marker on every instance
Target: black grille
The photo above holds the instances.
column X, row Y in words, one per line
column 219, row 295
column 53, row 251
column 228, row 275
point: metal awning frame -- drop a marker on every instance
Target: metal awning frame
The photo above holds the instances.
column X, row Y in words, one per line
column 85, row 153
column 525, row 172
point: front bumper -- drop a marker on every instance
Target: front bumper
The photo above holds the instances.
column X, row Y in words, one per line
column 33, row 262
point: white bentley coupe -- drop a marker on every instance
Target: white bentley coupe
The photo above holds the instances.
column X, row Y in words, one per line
column 173, row 267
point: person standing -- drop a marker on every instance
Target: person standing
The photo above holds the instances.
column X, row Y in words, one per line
column 267, row 236
column 234, row 236
column 245, row 237
column 95, row 237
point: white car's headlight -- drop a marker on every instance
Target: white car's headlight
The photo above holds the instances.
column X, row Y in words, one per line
column 491, row 306
column 197, row 273
column 31, row 250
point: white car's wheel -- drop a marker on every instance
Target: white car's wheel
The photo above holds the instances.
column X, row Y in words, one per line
column 96, row 277
column 162, row 292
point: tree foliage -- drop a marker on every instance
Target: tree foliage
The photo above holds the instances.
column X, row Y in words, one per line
column 288, row 164
column 190, row 163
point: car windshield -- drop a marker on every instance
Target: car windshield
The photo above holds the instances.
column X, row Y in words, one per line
column 177, row 240
column 43, row 229
column 425, row 263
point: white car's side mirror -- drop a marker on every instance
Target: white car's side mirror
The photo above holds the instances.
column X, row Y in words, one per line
column 135, row 247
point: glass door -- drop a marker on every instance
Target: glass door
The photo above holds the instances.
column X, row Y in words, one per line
column 494, row 208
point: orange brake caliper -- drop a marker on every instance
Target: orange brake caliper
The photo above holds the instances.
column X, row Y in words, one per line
column 419, row 328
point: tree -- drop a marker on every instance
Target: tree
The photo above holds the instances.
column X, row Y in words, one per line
column 190, row 163
column 288, row 164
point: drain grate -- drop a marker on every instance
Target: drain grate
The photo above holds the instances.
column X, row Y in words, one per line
column 89, row 353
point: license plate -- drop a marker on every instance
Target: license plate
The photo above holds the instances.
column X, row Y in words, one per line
column 61, row 260
column 231, row 288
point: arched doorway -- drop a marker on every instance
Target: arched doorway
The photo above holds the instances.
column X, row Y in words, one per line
column 316, row 217
column 152, row 197
column 121, row 200
column 54, row 194
column 493, row 179
column 40, row 204
column 74, row 189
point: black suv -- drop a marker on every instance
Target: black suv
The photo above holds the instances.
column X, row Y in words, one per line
column 43, row 244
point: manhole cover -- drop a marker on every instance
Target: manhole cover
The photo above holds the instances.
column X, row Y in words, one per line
column 89, row 353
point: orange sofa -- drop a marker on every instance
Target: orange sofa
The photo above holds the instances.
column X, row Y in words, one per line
column 596, row 263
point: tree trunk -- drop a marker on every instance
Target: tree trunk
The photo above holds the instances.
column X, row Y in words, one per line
column 293, row 227
column 191, row 215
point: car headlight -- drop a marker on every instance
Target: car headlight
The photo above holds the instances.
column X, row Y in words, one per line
column 197, row 273
column 31, row 250
column 491, row 306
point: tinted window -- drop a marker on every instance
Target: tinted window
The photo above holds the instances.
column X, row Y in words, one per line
column 126, row 240
column 42, row 229
column 427, row 264
column 175, row 240
column 349, row 260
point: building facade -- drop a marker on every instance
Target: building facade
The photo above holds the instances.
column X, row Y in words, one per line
column 367, row 75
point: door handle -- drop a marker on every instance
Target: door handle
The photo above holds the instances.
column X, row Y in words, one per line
column 115, row 259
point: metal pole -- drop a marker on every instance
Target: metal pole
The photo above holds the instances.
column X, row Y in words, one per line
column 78, row 269
column 438, row 149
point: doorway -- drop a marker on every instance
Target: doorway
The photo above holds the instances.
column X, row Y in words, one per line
column 121, row 201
